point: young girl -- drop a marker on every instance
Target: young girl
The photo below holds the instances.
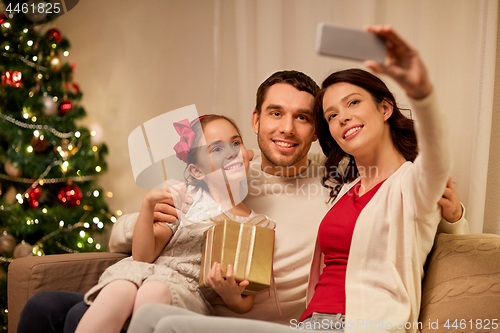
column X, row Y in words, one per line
column 165, row 263
column 373, row 243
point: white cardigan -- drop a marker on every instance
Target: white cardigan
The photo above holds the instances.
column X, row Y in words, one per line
column 394, row 234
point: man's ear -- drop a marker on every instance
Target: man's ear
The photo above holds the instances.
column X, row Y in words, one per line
column 387, row 108
column 195, row 172
column 255, row 122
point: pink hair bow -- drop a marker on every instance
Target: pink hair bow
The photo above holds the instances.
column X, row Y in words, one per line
column 183, row 147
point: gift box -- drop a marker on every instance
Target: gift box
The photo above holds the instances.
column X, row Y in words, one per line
column 249, row 248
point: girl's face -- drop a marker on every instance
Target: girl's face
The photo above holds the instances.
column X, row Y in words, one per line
column 221, row 147
column 355, row 121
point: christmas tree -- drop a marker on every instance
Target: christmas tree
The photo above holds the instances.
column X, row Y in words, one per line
column 49, row 198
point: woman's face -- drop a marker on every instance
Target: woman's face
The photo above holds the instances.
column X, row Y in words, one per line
column 221, row 148
column 355, row 121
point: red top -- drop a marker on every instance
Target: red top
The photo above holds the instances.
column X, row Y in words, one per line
column 334, row 239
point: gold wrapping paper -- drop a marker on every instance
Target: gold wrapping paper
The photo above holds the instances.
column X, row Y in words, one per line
column 249, row 248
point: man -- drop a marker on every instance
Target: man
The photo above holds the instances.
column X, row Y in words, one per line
column 283, row 184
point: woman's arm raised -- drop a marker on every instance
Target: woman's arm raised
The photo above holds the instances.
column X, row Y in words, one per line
column 433, row 163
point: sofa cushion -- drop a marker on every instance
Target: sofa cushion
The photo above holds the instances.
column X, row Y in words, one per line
column 70, row 272
column 461, row 287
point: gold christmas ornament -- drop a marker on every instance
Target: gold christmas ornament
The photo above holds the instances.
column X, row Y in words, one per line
column 10, row 195
column 55, row 62
column 72, row 148
column 66, row 148
column 7, row 243
column 12, row 169
column 62, row 149
column 38, row 250
column 22, row 250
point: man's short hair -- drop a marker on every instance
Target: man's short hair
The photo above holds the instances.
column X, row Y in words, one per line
column 299, row 80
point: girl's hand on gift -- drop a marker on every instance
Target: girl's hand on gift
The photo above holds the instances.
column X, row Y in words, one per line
column 226, row 287
column 229, row 289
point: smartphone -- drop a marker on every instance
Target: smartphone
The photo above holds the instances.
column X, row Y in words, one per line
column 349, row 43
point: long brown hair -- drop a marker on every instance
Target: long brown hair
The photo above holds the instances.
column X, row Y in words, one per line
column 402, row 128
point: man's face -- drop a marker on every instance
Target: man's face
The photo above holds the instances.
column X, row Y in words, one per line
column 285, row 128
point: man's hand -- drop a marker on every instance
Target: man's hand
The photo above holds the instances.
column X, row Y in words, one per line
column 451, row 208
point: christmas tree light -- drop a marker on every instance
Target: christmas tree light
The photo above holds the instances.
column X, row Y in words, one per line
column 50, row 201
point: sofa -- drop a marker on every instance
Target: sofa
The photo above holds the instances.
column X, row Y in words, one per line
column 460, row 292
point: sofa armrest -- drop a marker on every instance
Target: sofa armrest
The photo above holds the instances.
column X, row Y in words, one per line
column 462, row 283
column 76, row 272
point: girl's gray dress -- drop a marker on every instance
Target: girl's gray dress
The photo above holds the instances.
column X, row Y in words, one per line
column 178, row 265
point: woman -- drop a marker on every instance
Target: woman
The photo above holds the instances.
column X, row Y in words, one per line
column 385, row 200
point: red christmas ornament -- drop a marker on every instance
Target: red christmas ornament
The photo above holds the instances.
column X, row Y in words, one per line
column 54, row 33
column 64, row 107
column 33, row 196
column 12, row 78
column 3, row 18
column 70, row 196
